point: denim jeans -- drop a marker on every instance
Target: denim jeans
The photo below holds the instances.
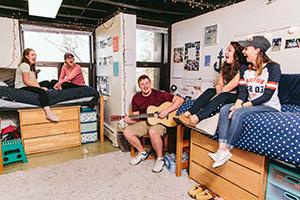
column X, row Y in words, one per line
column 230, row 129
column 205, row 104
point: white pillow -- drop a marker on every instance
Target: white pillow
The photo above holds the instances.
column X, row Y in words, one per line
column 209, row 125
column 3, row 84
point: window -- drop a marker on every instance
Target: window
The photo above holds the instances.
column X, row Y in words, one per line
column 151, row 56
column 51, row 44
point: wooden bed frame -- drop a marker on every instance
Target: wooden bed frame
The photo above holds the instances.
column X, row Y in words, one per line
column 42, row 141
column 242, row 177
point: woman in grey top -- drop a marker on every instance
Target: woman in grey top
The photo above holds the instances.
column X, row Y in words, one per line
column 26, row 80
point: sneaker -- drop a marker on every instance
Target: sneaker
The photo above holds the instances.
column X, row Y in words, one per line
column 213, row 156
column 139, row 158
column 159, row 165
column 221, row 158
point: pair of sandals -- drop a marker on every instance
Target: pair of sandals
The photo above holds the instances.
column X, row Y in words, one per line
column 200, row 193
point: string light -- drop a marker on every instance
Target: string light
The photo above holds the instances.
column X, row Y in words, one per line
column 200, row 4
column 14, row 51
column 124, row 62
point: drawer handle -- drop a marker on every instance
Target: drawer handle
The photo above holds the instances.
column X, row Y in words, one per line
column 290, row 196
column 292, row 180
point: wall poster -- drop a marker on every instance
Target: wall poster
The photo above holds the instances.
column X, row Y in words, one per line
column 210, row 35
column 192, row 56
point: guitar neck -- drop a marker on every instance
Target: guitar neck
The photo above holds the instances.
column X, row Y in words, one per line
column 141, row 116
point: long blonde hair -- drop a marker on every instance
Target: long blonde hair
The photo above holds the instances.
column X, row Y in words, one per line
column 261, row 59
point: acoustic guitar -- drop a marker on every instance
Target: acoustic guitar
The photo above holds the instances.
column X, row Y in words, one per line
column 152, row 116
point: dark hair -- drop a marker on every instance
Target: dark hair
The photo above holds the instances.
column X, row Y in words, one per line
column 230, row 70
column 24, row 59
column 142, row 77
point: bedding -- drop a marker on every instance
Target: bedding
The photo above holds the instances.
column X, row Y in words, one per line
column 9, row 94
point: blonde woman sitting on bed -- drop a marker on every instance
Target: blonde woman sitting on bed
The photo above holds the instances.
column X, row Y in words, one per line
column 26, row 80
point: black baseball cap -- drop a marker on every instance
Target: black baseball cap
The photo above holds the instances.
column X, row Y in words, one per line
column 67, row 55
column 258, row 42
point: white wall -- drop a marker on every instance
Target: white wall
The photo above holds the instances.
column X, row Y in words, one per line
column 236, row 22
column 10, row 54
column 122, row 86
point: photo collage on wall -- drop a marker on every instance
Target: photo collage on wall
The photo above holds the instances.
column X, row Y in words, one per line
column 106, row 65
column 192, row 56
column 292, row 43
column 289, row 43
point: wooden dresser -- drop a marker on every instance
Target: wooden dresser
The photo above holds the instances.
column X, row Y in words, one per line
column 41, row 135
column 242, row 177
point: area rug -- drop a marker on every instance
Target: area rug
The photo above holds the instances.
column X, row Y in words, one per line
column 106, row 176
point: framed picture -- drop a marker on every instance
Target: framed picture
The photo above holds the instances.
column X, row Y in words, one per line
column 178, row 55
column 276, row 44
column 210, row 35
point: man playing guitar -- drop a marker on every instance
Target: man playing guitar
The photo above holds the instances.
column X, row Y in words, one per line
column 139, row 128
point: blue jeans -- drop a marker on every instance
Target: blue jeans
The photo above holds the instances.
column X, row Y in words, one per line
column 230, row 129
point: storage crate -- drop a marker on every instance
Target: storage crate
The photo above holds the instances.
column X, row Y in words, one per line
column 89, row 137
column 88, row 125
column 284, row 177
column 277, row 193
column 88, row 114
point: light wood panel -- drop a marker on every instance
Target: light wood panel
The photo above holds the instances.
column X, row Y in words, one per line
column 231, row 171
column 242, row 177
column 37, row 116
column 218, row 184
column 247, row 159
column 1, row 161
column 49, row 143
column 47, row 129
column 40, row 135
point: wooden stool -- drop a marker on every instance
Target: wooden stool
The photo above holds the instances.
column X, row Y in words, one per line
column 143, row 141
column 181, row 144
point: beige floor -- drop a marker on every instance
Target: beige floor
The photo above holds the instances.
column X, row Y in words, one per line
column 55, row 157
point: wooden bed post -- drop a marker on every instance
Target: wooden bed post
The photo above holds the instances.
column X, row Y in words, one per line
column 1, row 161
column 101, row 116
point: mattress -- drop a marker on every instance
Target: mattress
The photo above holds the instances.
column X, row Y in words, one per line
column 16, row 98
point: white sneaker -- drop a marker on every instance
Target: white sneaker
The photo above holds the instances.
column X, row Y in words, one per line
column 213, row 155
column 159, row 165
column 221, row 158
column 139, row 157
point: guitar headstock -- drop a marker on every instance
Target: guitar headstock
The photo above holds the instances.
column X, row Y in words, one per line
column 116, row 117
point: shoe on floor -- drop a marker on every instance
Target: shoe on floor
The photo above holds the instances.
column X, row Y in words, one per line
column 194, row 190
column 138, row 158
column 205, row 195
column 159, row 165
column 221, row 158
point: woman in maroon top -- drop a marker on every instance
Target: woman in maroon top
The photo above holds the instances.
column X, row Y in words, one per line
column 138, row 128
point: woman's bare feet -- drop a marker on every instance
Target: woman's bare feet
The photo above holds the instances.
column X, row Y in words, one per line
column 52, row 117
column 194, row 119
column 187, row 114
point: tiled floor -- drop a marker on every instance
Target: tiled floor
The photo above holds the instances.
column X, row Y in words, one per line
column 59, row 156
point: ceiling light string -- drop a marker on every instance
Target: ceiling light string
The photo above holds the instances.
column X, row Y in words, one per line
column 124, row 62
column 201, row 4
column 101, row 22
column 14, row 51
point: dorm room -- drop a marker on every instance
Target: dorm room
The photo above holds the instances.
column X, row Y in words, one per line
column 183, row 47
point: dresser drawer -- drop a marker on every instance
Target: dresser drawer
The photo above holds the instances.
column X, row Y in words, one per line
column 277, row 193
column 37, row 116
column 47, row 129
column 54, row 142
column 284, row 178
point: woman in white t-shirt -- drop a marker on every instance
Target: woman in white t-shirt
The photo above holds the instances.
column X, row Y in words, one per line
column 26, row 80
